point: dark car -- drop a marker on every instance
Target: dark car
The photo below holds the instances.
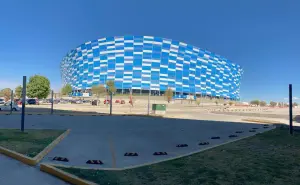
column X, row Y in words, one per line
column 31, row 101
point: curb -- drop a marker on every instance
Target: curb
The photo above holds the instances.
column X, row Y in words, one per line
column 20, row 157
column 163, row 160
column 33, row 161
column 47, row 168
column 46, row 150
column 260, row 121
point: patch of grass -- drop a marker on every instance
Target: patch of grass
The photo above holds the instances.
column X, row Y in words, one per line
column 29, row 142
column 269, row 158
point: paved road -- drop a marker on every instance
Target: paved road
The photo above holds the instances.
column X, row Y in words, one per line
column 102, row 137
column 13, row 172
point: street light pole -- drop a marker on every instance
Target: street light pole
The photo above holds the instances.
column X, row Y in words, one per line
column 291, row 108
column 23, row 103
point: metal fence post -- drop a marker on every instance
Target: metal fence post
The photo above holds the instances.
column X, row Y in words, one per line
column 110, row 108
column 149, row 101
column 291, row 107
column 23, row 103
column 52, row 102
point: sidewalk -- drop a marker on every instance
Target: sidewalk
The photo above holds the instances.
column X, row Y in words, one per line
column 13, row 172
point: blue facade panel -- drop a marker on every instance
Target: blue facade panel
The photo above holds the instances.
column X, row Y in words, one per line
column 146, row 62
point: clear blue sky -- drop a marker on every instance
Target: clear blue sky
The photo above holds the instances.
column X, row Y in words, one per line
column 263, row 36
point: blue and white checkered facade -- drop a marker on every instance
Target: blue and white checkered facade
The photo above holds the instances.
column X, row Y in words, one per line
column 146, row 62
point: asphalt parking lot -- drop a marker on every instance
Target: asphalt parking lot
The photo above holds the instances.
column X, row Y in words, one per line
column 108, row 138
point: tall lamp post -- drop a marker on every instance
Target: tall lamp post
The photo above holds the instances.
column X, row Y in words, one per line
column 23, row 103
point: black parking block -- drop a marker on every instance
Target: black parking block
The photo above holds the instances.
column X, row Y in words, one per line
column 63, row 159
column 204, row 143
column 182, row 145
column 255, row 128
column 239, row 132
column 94, row 162
column 231, row 136
column 252, row 130
column 160, row 153
column 131, row 154
column 62, row 115
column 266, row 127
column 29, row 114
column 216, row 137
column 94, row 115
column 7, row 114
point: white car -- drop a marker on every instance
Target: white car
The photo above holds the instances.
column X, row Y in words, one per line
column 2, row 101
column 6, row 107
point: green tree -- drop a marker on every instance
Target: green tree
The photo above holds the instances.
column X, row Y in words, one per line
column 18, row 91
column 262, row 103
column 38, row 87
column 111, row 86
column 169, row 94
column 67, row 89
column 230, row 103
column 98, row 90
column 295, row 104
column 273, row 104
column 6, row 93
column 111, row 89
column 255, row 102
column 216, row 102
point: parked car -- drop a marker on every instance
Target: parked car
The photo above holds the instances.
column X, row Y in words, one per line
column 73, row 101
column 95, row 102
column 2, row 101
column 79, row 102
column 117, row 101
column 86, row 101
column 63, row 101
column 20, row 102
column 32, row 101
column 6, row 107
column 108, row 101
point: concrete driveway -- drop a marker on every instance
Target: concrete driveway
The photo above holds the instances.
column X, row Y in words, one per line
column 13, row 172
column 107, row 138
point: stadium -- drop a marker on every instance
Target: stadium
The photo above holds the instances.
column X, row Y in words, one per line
column 143, row 63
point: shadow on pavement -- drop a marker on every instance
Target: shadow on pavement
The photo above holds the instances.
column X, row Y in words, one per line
column 43, row 110
column 254, row 114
